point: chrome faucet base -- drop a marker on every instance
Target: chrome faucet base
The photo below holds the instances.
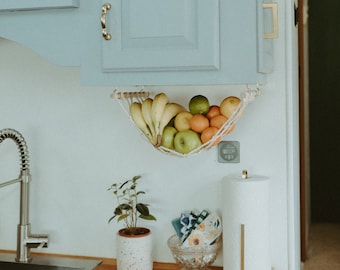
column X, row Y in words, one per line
column 26, row 241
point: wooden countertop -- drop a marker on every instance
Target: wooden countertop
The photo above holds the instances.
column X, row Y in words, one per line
column 156, row 266
column 109, row 263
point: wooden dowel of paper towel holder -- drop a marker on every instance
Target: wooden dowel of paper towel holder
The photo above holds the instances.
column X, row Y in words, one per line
column 242, row 246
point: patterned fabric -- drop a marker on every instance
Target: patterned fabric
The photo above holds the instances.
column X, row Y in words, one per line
column 198, row 229
column 205, row 233
column 188, row 221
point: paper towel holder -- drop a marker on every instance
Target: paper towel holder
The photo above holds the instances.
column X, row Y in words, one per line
column 244, row 174
column 242, row 246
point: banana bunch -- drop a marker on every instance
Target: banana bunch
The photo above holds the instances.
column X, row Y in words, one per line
column 151, row 116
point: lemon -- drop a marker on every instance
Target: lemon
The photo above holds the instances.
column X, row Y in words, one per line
column 199, row 104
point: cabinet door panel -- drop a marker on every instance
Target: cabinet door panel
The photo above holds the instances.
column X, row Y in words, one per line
column 153, row 35
column 176, row 42
column 264, row 45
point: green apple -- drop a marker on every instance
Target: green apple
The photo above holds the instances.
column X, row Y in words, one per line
column 187, row 140
column 168, row 137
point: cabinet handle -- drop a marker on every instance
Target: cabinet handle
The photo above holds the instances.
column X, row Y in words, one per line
column 275, row 33
column 105, row 8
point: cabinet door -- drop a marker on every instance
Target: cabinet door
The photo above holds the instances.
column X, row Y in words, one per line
column 51, row 28
column 153, row 35
column 175, row 42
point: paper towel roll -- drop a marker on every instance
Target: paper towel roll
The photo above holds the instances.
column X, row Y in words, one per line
column 245, row 204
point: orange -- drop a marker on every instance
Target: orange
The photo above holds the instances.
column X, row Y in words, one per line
column 228, row 105
column 213, row 111
column 198, row 123
column 230, row 129
column 208, row 133
column 218, row 121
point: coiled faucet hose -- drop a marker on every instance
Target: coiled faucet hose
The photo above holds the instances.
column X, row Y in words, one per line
column 20, row 142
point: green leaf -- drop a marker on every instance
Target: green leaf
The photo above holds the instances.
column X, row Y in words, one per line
column 122, row 185
column 148, row 217
column 112, row 186
column 135, row 178
column 118, row 211
column 142, row 208
column 123, row 217
column 125, row 206
column 111, row 218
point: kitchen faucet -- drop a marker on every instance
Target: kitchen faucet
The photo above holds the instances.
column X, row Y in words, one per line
column 25, row 240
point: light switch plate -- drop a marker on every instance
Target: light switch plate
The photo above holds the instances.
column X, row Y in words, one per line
column 229, row 152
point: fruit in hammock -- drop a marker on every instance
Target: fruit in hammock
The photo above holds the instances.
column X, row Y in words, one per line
column 213, row 111
column 157, row 109
column 198, row 123
column 228, row 105
column 186, row 141
column 146, row 110
column 230, row 129
column 199, row 104
column 168, row 137
column 182, row 120
column 170, row 111
column 138, row 119
column 218, row 121
column 208, row 134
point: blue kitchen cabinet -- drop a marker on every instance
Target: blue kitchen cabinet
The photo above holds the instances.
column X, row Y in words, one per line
column 147, row 42
column 49, row 27
column 168, row 42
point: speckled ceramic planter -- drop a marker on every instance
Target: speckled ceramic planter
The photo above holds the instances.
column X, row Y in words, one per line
column 134, row 252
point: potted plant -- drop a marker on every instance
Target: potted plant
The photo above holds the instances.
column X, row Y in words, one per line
column 134, row 243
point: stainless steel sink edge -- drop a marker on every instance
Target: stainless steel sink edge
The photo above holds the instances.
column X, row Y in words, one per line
column 85, row 264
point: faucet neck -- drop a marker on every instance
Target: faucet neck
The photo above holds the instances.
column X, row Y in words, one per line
column 25, row 176
column 20, row 142
column 24, row 197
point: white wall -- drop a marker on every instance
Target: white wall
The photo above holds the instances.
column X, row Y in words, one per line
column 80, row 141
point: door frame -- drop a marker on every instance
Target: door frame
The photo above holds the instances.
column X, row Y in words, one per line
column 303, row 130
column 292, row 118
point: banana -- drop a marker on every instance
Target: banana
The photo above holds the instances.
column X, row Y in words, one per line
column 146, row 111
column 170, row 111
column 157, row 109
column 137, row 117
